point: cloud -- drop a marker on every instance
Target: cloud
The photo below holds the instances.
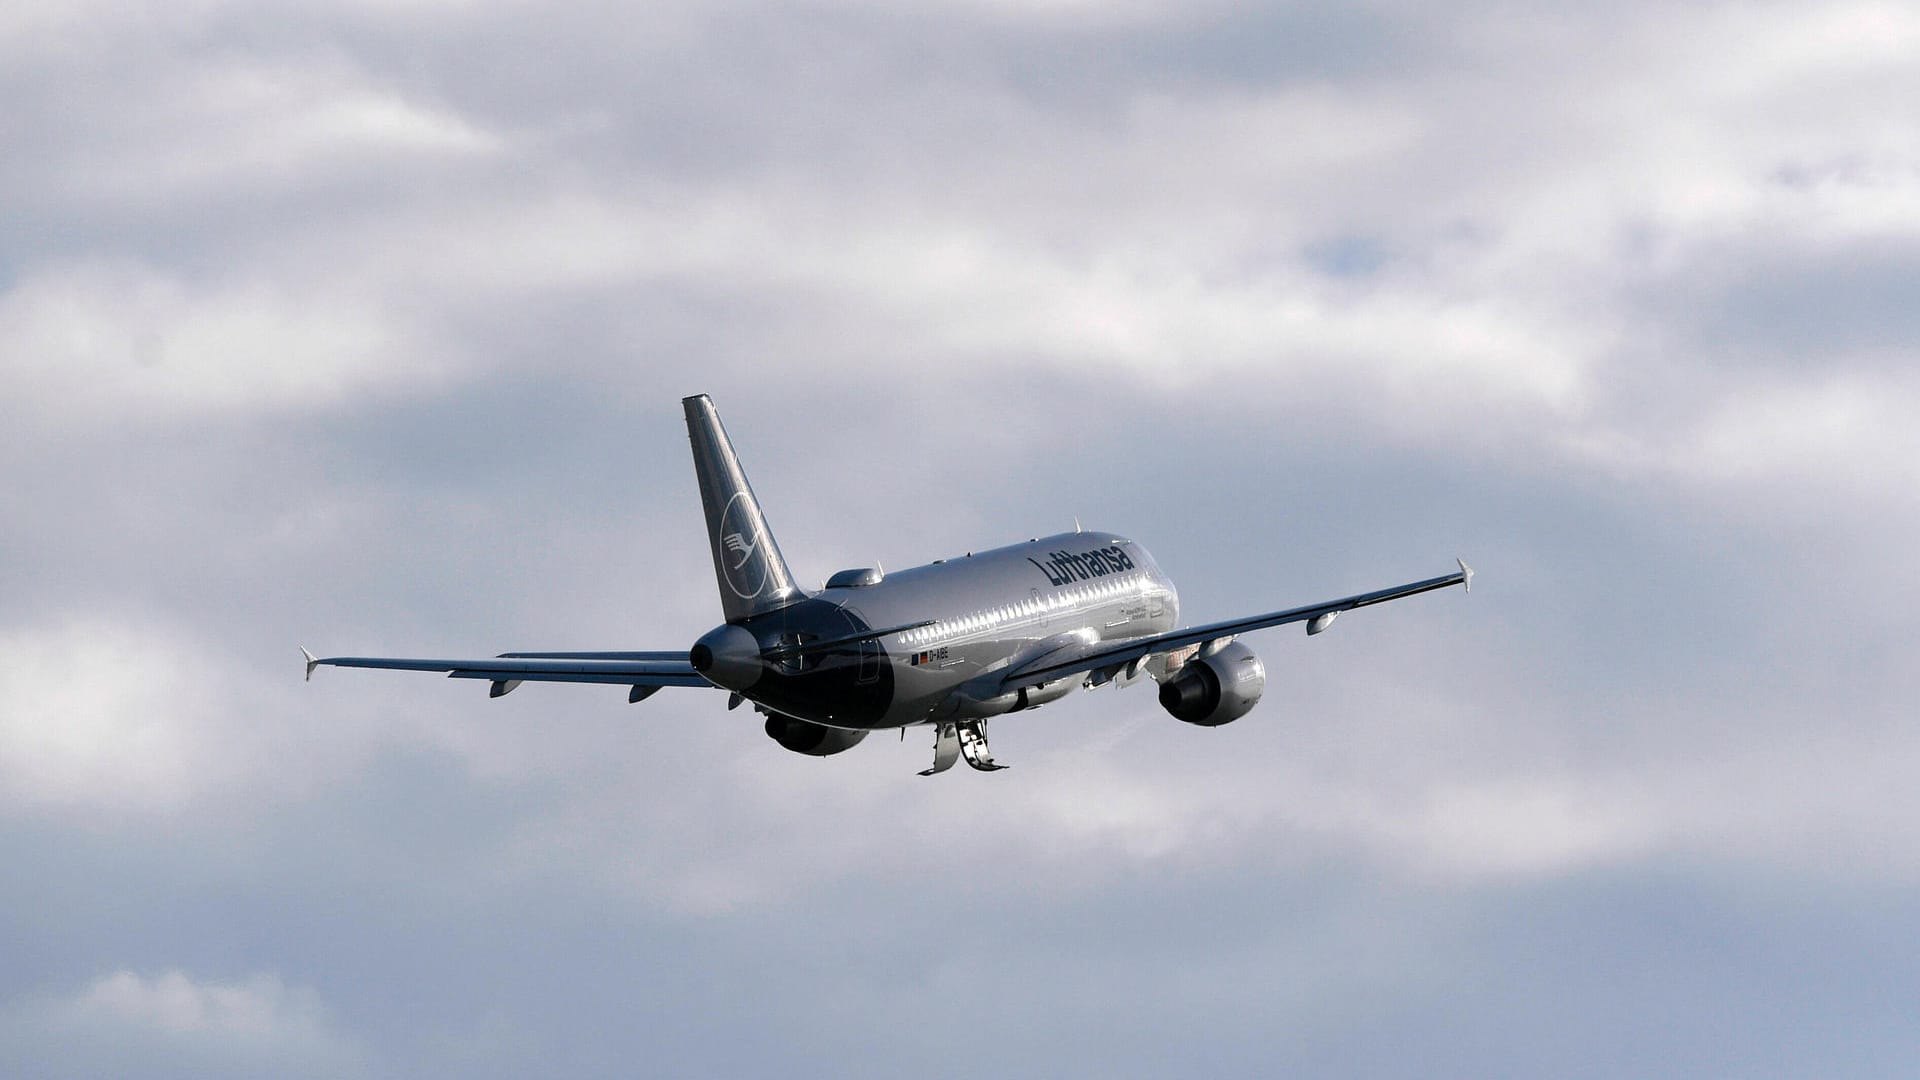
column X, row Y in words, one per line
column 362, row 326
column 130, row 722
column 171, row 1024
column 270, row 124
column 99, row 713
column 258, row 1008
column 155, row 116
column 116, row 342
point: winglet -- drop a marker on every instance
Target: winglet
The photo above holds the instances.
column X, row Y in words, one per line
column 311, row 662
column 1466, row 574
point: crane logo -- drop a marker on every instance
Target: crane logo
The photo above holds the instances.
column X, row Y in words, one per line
column 737, row 543
column 741, row 537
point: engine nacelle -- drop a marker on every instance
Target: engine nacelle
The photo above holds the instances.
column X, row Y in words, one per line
column 814, row 740
column 1216, row 689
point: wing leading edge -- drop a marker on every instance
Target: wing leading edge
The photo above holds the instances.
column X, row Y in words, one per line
column 1094, row 657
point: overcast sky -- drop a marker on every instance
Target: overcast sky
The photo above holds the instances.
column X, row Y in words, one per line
column 364, row 325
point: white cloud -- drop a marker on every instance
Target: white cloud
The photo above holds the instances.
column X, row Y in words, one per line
column 236, row 125
column 149, row 122
column 98, row 714
column 1800, row 445
column 117, row 718
column 1502, row 218
column 125, row 1023
column 121, row 341
column 259, row 1007
column 1851, row 431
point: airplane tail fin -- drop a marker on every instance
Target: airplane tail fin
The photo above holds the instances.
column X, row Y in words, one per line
column 753, row 577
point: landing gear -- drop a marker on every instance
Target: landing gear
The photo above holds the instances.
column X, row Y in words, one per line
column 946, row 750
column 963, row 738
column 973, row 746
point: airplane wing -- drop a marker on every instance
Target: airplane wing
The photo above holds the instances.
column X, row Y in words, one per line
column 1098, row 655
column 644, row 671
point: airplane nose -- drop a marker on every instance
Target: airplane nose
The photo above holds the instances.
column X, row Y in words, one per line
column 728, row 656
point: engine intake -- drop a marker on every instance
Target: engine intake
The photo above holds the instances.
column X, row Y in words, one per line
column 805, row 737
column 1216, row 689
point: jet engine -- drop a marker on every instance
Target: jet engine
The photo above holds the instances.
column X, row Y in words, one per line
column 814, row 740
column 1216, row 689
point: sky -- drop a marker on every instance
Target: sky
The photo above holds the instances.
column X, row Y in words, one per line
column 363, row 326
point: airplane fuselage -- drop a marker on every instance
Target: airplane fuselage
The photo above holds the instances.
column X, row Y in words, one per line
column 988, row 609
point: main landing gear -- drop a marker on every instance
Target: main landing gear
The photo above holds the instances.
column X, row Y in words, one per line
column 962, row 738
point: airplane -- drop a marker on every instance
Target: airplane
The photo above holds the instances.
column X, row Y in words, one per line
column 948, row 645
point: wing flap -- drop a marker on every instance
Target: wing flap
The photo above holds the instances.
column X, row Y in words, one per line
column 657, row 655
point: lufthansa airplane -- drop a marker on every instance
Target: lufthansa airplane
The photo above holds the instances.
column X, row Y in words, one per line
column 947, row 645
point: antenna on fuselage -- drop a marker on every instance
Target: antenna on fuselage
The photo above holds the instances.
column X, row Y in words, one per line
column 1076, row 524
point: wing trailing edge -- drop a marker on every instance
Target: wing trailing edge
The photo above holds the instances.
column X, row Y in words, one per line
column 644, row 669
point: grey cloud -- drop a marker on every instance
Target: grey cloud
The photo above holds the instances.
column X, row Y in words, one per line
column 1238, row 969
column 171, row 1025
column 1757, row 303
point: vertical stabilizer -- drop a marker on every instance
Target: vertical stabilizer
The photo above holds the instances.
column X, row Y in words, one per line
column 753, row 576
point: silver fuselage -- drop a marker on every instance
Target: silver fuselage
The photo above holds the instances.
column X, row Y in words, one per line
column 989, row 609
